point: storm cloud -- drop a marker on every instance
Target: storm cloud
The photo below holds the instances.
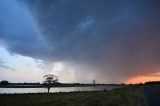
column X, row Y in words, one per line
column 114, row 39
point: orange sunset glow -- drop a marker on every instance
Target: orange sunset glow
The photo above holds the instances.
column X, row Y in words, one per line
column 142, row 79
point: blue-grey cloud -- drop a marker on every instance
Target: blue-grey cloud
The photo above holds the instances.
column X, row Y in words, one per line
column 4, row 66
column 18, row 29
column 118, row 38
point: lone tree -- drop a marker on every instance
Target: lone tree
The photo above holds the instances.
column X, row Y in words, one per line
column 50, row 79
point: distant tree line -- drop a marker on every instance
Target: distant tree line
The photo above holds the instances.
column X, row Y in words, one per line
column 27, row 83
column 153, row 83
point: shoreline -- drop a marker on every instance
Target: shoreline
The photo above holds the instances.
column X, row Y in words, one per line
column 63, row 85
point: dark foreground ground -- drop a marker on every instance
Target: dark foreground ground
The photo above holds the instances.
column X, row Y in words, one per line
column 127, row 96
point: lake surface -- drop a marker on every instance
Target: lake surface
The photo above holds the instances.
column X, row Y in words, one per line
column 55, row 89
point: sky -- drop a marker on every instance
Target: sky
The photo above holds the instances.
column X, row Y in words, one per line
column 110, row 41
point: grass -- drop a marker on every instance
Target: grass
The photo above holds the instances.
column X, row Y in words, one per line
column 127, row 96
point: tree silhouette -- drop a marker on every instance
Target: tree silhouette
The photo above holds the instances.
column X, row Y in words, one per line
column 50, row 79
column 4, row 83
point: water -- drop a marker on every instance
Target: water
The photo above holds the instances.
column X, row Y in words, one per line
column 56, row 89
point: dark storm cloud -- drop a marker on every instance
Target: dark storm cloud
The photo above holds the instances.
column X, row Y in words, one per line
column 18, row 29
column 119, row 38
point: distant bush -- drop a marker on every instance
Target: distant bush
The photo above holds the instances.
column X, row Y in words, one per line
column 4, row 83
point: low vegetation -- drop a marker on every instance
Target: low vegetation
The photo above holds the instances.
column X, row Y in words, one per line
column 127, row 96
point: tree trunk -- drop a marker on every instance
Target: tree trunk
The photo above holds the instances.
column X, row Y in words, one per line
column 48, row 89
column 49, row 85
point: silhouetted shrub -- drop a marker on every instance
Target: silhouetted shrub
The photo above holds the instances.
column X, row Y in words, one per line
column 4, row 83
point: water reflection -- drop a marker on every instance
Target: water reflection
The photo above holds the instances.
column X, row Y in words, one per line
column 56, row 89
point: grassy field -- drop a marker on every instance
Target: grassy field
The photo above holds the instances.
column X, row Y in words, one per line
column 128, row 96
